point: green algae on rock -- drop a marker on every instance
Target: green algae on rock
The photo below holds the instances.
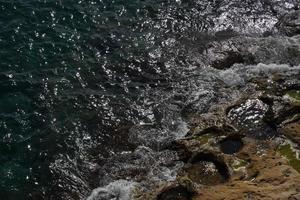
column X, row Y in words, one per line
column 294, row 96
column 239, row 163
column 289, row 153
column 204, row 173
column 204, row 139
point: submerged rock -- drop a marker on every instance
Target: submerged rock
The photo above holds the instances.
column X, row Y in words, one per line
column 116, row 190
column 289, row 24
column 230, row 58
column 270, row 50
column 250, row 51
column 210, row 155
column 231, row 144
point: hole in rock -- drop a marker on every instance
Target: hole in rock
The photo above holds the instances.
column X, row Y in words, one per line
column 207, row 169
column 183, row 153
column 176, row 193
column 231, row 144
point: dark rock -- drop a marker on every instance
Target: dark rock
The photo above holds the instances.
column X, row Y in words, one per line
column 270, row 50
column 250, row 117
column 289, row 24
column 230, row 58
column 250, row 51
column 231, row 144
column 207, row 168
column 175, row 193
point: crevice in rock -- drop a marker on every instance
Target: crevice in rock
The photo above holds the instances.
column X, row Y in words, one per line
column 209, row 167
column 231, row 144
column 216, row 130
column 176, row 193
column 183, row 153
column 233, row 58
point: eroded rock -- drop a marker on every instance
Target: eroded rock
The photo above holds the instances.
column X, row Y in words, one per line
column 289, row 24
column 175, row 193
column 291, row 128
column 231, row 144
column 269, row 176
column 208, row 169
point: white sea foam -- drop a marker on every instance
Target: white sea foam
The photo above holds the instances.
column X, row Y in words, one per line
column 118, row 190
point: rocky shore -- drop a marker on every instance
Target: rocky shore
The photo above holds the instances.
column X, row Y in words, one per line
column 247, row 148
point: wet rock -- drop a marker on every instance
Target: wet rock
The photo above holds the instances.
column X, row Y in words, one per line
column 294, row 97
column 182, row 152
column 224, row 54
column 215, row 131
column 269, row 50
column 204, row 173
column 250, row 51
column 291, row 128
column 156, row 137
column 115, row 190
column 289, row 24
column 209, row 123
column 207, row 168
column 143, row 164
column 230, row 58
column 269, row 177
column 291, row 154
column 175, row 193
column 231, row 144
column 249, row 117
column 205, row 138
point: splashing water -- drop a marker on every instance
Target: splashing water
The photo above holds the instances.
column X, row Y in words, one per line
column 92, row 93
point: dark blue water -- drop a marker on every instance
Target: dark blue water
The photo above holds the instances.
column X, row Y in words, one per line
column 75, row 75
column 63, row 78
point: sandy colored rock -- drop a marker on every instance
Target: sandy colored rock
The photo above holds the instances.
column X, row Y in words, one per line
column 291, row 129
column 272, row 179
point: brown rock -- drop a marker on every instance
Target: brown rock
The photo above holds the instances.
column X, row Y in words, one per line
column 291, row 129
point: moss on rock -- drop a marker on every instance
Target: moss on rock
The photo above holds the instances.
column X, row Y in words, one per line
column 287, row 151
column 239, row 163
column 204, row 139
column 294, row 96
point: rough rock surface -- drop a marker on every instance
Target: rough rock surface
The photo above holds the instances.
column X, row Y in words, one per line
column 246, row 147
column 260, row 168
column 290, row 23
column 272, row 178
column 291, row 128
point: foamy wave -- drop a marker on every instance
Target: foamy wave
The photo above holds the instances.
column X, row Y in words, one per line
column 120, row 190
